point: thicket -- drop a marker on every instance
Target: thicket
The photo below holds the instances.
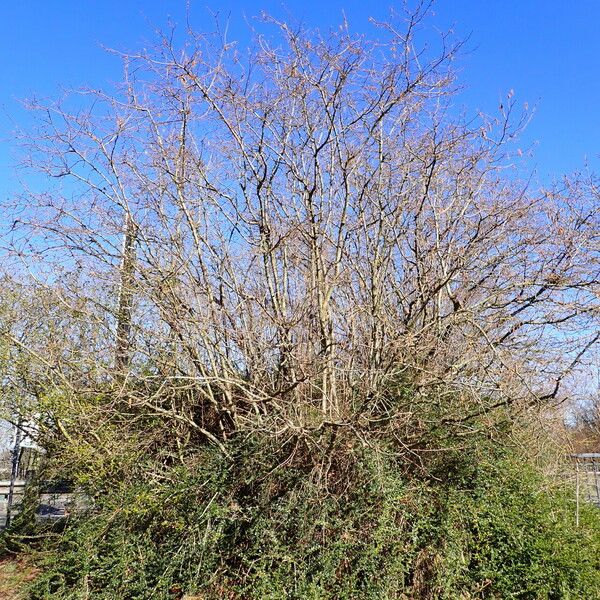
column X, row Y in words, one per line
column 348, row 521
column 284, row 317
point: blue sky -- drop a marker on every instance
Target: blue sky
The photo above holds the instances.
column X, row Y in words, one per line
column 546, row 51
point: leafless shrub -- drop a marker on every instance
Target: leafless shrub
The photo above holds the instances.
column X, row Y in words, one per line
column 283, row 239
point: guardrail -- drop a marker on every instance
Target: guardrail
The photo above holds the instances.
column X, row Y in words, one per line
column 56, row 500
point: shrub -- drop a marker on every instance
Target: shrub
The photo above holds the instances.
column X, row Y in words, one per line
column 359, row 523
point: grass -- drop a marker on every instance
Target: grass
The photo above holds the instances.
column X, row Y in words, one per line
column 14, row 575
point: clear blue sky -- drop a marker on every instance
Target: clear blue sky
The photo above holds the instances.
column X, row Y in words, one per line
column 546, row 50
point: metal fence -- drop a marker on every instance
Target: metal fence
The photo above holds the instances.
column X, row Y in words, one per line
column 587, row 479
column 17, row 467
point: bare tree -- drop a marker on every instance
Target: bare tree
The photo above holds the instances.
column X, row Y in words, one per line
column 281, row 238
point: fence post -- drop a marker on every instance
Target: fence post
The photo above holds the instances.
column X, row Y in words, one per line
column 576, row 492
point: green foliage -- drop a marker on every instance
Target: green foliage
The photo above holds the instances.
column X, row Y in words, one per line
column 506, row 536
column 349, row 523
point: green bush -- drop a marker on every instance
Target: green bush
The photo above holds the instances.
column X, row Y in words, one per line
column 344, row 525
